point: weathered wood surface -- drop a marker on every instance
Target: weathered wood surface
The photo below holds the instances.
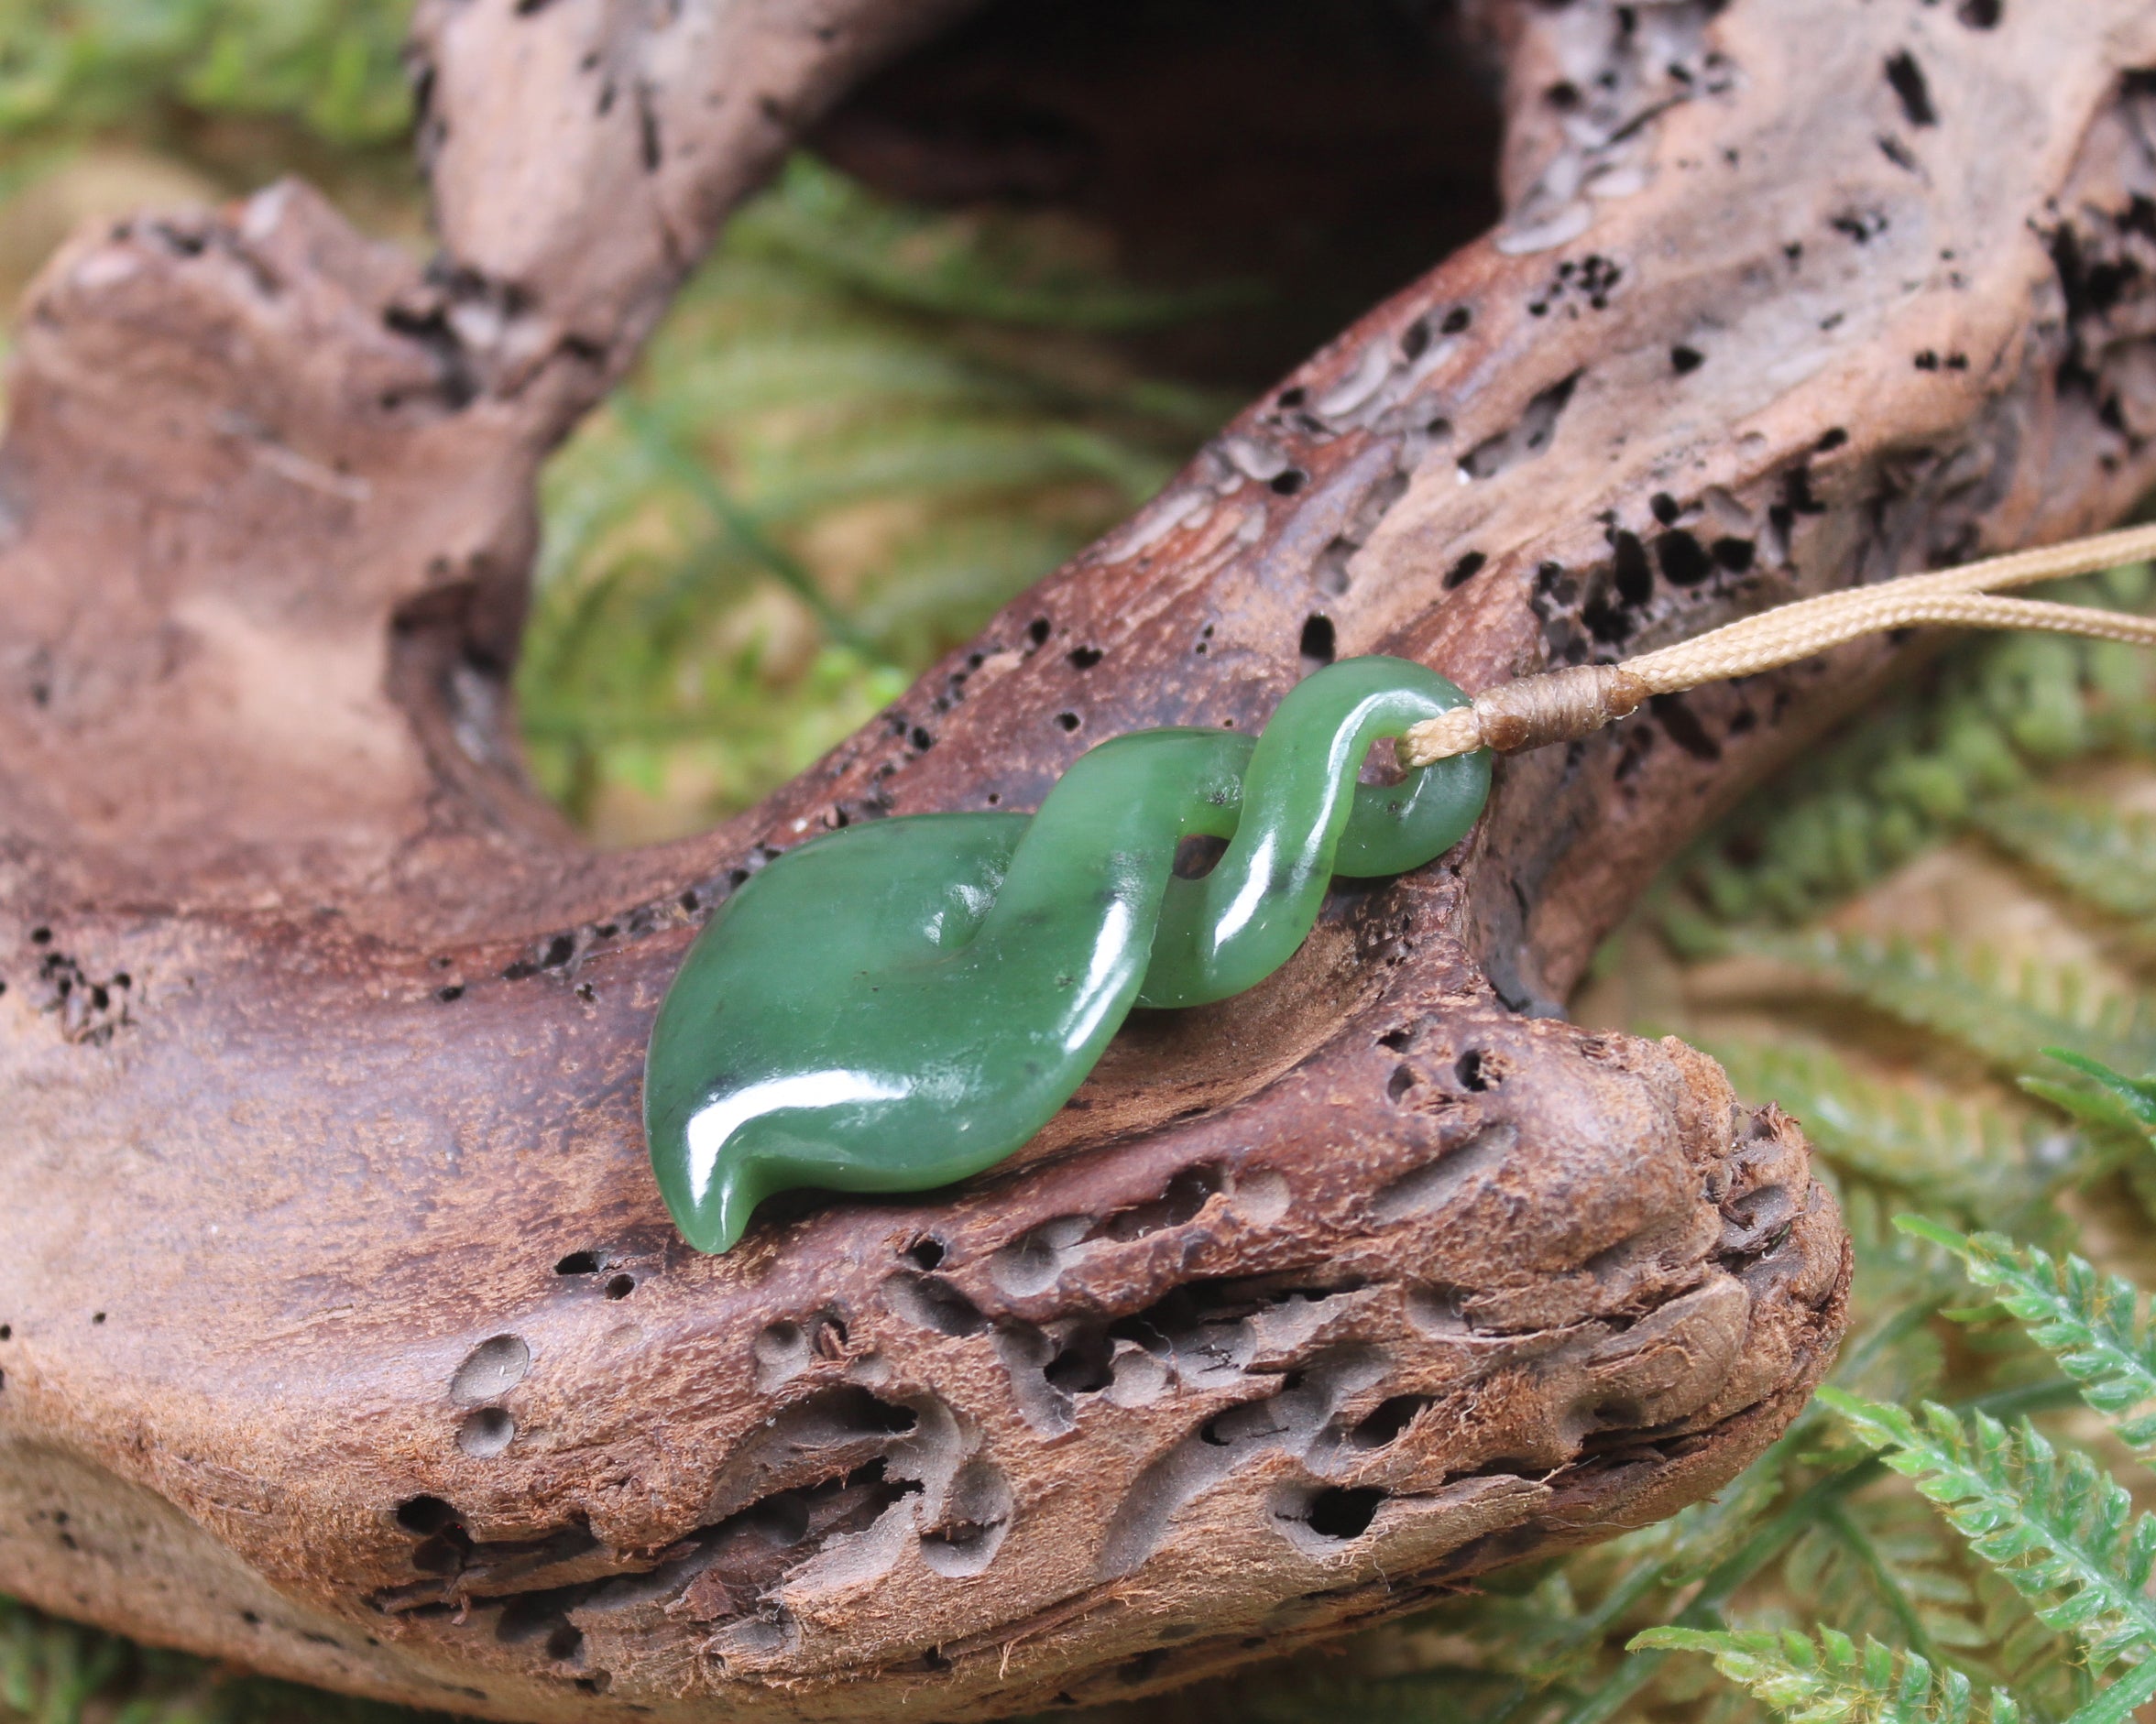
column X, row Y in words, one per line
column 342, row 1333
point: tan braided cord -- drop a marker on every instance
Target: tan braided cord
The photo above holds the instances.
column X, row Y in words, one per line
column 1562, row 705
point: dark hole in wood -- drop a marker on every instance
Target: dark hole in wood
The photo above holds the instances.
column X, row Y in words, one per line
column 1387, row 1420
column 1465, row 569
column 1684, row 563
column 1635, row 580
column 1344, row 1513
column 1082, row 1367
column 1733, row 554
column 425, row 1516
column 1907, row 78
column 1318, row 642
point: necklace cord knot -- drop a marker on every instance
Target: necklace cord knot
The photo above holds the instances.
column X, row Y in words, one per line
column 1561, row 706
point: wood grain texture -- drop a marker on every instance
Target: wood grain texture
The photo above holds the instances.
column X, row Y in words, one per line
column 344, row 1334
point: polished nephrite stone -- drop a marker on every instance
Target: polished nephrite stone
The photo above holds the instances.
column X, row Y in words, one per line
column 900, row 1004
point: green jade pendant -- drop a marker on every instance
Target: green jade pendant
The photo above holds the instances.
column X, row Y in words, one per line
column 894, row 1006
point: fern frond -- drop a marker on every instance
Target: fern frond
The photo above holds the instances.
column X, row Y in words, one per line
column 2133, row 1097
column 952, row 576
column 1832, row 1680
column 819, row 218
column 2096, row 1325
column 1922, row 763
column 2098, row 1110
column 2007, row 1014
column 333, row 65
column 842, row 372
column 2040, row 1668
column 937, row 460
column 838, row 408
column 1974, row 1159
column 2103, row 855
column 2056, row 1527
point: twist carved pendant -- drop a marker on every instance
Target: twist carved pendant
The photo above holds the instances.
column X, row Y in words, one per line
column 895, row 1005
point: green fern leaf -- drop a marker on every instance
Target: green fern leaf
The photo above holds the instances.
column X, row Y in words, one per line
column 1832, row 1680
column 332, row 65
column 2058, row 1529
column 1969, row 1158
column 2095, row 1325
column 1923, row 762
column 820, row 219
column 2008, row 1015
column 2121, row 1700
column 2135, row 1096
column 2101, row 854
column 827, row 412
column 2099, row 1110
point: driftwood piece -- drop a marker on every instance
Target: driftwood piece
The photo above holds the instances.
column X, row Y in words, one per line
column 341, row 1333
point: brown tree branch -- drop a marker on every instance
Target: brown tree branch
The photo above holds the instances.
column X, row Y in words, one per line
column 345, row 1334
column 583, row 154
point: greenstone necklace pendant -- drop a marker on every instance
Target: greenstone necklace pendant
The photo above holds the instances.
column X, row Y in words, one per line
column 895, row 1005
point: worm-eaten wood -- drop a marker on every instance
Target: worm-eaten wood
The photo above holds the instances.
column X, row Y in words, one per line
column 341, row 1333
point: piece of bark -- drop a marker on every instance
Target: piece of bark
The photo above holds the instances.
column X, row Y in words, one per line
column 581, row 162
column 344, row 1334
